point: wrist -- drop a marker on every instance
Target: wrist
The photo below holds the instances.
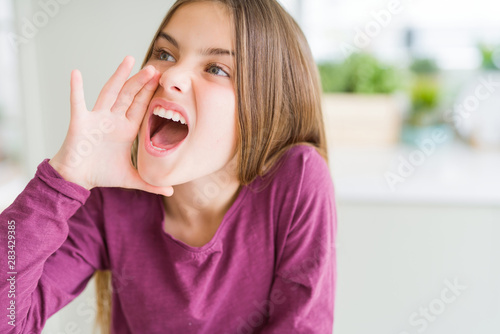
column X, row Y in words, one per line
column 67, row 174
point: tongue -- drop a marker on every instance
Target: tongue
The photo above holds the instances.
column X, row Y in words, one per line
column 169, row 135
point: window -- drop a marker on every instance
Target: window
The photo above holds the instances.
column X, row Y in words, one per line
column 446, row 30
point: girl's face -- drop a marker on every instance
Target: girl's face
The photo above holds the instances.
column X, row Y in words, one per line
column 195, row 55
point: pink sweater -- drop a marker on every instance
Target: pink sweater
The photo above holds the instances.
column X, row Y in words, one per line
column 270, row 267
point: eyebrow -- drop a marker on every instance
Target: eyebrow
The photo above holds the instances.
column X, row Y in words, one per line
column 204, row 52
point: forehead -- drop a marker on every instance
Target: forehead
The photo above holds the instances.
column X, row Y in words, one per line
column 203, row 22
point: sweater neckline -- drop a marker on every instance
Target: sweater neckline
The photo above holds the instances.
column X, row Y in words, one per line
column 208, row 246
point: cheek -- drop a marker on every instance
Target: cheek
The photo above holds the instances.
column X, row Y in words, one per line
column 218, row 111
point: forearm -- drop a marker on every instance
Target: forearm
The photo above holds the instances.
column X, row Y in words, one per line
column 32, row 228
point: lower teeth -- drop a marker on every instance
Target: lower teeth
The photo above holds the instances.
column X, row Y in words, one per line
column 157, row 148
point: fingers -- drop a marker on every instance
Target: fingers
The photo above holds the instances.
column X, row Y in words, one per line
column 112, row 88
column 132, row 87
column 77, row 99
column 136, row 111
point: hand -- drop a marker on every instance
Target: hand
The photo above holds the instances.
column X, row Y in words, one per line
column 96, row 150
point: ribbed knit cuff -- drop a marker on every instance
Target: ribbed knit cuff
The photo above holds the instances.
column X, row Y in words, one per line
column 53, row 179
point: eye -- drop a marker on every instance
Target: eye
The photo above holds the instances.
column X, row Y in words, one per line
column 216, row 70
column 163, row 55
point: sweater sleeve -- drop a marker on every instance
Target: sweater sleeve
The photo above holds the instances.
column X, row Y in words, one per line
column 51, row 244
column 302, row 294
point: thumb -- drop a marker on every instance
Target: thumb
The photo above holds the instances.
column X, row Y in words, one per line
column 136, row 182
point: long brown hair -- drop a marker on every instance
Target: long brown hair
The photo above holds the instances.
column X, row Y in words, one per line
column 278, row 97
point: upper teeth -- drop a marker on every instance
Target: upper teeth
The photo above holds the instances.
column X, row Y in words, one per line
column 169, row 114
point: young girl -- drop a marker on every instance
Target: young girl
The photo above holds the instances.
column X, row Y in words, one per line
column 223, row 220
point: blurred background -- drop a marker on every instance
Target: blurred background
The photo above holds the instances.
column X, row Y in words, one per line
column 412, row 110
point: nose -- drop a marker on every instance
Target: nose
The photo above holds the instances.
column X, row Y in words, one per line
column 176, row 79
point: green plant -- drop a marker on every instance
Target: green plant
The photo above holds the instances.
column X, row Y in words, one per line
column 425, row 94
column 424, row 66
column 332, row 77
column 361, row 73
column 490, row 55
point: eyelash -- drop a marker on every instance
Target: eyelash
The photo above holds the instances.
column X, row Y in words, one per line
column 158, row 51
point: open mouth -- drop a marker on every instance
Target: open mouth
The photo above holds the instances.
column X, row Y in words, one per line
column 167, row 129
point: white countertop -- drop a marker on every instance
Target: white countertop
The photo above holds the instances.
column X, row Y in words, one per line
column 454, row 174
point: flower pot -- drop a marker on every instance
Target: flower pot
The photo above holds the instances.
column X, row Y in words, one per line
column 362, row 120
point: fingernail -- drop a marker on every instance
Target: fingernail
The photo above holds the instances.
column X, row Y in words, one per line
column 129, row 58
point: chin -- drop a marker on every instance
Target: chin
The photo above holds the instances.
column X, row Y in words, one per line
column 154, row 173
column 150, row 172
